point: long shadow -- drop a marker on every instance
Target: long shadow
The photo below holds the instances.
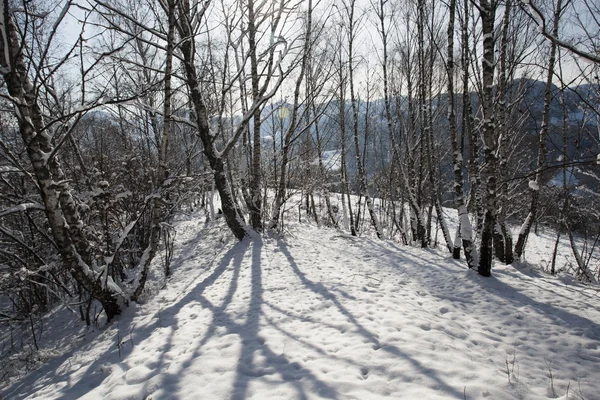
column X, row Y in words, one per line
column 249, row 332
column 190, row 245
column 321, row 290
column 303, row 318
column 93, row 376
column 511, row 294
column 252, row 343
column 394, row 254
column 400, row 254
column 312, row 346
column 518, row 273
column 37, row 379
column 235, row 263
column 233, row 255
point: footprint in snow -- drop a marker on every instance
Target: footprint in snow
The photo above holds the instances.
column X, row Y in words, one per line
column 364, row 371
column 425, row 326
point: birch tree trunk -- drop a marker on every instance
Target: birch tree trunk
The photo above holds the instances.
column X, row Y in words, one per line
column 60, row 208
column 487, row 9
column 291, row 133
column 468, row 132
column 502, row 235
column 344, row 172
column 541, row 160
column 464, row 230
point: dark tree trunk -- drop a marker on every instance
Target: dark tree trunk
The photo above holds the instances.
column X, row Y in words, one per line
column 230, row 210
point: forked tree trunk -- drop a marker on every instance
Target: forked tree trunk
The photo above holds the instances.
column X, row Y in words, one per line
column 230, row 210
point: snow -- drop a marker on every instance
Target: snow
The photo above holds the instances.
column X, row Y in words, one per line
column 535, row 13
column 533, row 185
column 21, row 208
column 8, row 169
column 123, row 195
column 44, row 156
column 321, row 314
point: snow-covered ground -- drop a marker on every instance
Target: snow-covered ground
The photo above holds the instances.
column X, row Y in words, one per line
column 320, row 314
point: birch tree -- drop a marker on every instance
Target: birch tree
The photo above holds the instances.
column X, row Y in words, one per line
column 487, row 11
column 464, row 222
column 25, row 81
column 353, row 21
column 292, row 132
column 534, row 184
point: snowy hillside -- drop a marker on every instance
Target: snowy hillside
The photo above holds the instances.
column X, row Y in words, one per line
column 320, row 314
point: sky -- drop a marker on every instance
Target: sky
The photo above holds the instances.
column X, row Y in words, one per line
column 367, row 47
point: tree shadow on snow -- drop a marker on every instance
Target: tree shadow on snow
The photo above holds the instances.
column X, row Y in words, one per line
column 559, row 316
column 319, row 289
column 495, row 287
column 254, row 345
column 96, row 372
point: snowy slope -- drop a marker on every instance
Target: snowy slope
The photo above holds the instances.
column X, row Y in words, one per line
column 320, row 314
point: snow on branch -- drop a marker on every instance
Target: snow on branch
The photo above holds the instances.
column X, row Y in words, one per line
column 21, row 208
column 533, row 185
